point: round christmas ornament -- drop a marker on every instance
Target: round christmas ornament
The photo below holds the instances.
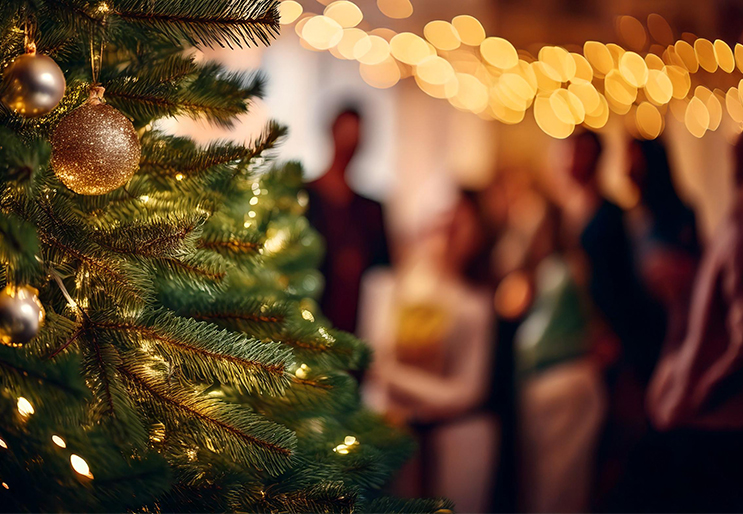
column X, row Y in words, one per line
column 33, row 84
column 95, row 148
column 21, row 315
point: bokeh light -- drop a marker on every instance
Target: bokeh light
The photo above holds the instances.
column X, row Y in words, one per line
column 409, row 48
column 469, row 29
column 644, row 78
column 378, row 50
column 322, row 32
column 289, row 11
column 442, row 35
column 347, row 14
column 396, row 9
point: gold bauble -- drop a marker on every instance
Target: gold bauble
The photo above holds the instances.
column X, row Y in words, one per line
column 95, row 148
column 21, row 315
column 33, row 84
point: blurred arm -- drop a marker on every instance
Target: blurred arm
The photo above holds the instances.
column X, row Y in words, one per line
column 686, row 380
column 468, row 383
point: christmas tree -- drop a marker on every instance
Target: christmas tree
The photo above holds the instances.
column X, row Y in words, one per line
column 162, row 349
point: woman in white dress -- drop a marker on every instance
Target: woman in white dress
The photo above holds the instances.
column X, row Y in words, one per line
column 431, row 329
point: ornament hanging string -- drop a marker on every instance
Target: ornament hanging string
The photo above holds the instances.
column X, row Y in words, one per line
column 95, row 64
column 29, row 42
column 71, row 302
column 58, row 279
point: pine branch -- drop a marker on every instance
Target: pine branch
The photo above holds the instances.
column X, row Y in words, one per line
column 195, row 267
column 219, row 98
column 160, row 237
column 231, row 430
column 407, row 506
column 169, row 155
column 203, row 353
column 112, row 405
column 66, row 240
column 232, row 245
column 21, row 373
column 323, row 497
column 208, row 22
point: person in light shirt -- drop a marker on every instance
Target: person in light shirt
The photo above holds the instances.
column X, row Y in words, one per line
column 430, row 326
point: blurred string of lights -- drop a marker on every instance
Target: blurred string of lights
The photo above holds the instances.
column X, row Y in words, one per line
column 489, row 77
column 78, row 464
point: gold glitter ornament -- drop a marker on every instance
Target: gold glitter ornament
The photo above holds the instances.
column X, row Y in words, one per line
column 95, row 148
column 33, row 84
column 21, row 315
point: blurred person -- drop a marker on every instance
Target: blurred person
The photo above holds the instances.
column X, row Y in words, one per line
column 430, row 325
column 562, row 398
column 511, row 209
column 668, row 249
column 631, row 316
column 667, row 253
column 614, row 282
column 352, row 226
column 696, row 395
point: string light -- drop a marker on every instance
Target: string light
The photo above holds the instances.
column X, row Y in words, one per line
column 289, row 11
column 489, row 77
column 396, row 9
column 80, row 466
column 25, row 409
column 3, row 444
column 302, row 371
column 348, row 442
column 347, row 14
column 307, row 315
column 59, row 441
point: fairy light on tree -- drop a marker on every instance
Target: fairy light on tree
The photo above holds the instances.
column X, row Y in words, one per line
column 80, row 466
column 25, row 409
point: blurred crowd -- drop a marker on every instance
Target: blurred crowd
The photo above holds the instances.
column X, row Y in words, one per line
column 549, row 350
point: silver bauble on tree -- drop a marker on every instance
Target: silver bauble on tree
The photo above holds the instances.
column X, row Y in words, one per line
column 21, row 315
column 33, row 84
column 95, row 148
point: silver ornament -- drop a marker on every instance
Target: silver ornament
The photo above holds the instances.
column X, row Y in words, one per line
column 33, row 84
column 21, row 315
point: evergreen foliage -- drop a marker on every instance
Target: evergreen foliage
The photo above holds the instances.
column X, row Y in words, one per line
column 183, row 357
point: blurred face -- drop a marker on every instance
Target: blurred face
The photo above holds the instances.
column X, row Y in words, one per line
column 346, row 133
column 638, row 166
column 584, row 160
column 465, row 238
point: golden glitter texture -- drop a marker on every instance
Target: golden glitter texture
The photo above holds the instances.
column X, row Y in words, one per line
column 95, row 148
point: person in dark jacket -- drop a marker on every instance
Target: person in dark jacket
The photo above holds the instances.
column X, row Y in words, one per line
column 353, row 227
column 614, row 283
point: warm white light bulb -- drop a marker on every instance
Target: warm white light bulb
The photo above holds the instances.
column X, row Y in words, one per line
column 80, row 466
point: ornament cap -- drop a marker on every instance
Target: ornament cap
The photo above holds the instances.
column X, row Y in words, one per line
column 31, row 48
column 96, row 95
